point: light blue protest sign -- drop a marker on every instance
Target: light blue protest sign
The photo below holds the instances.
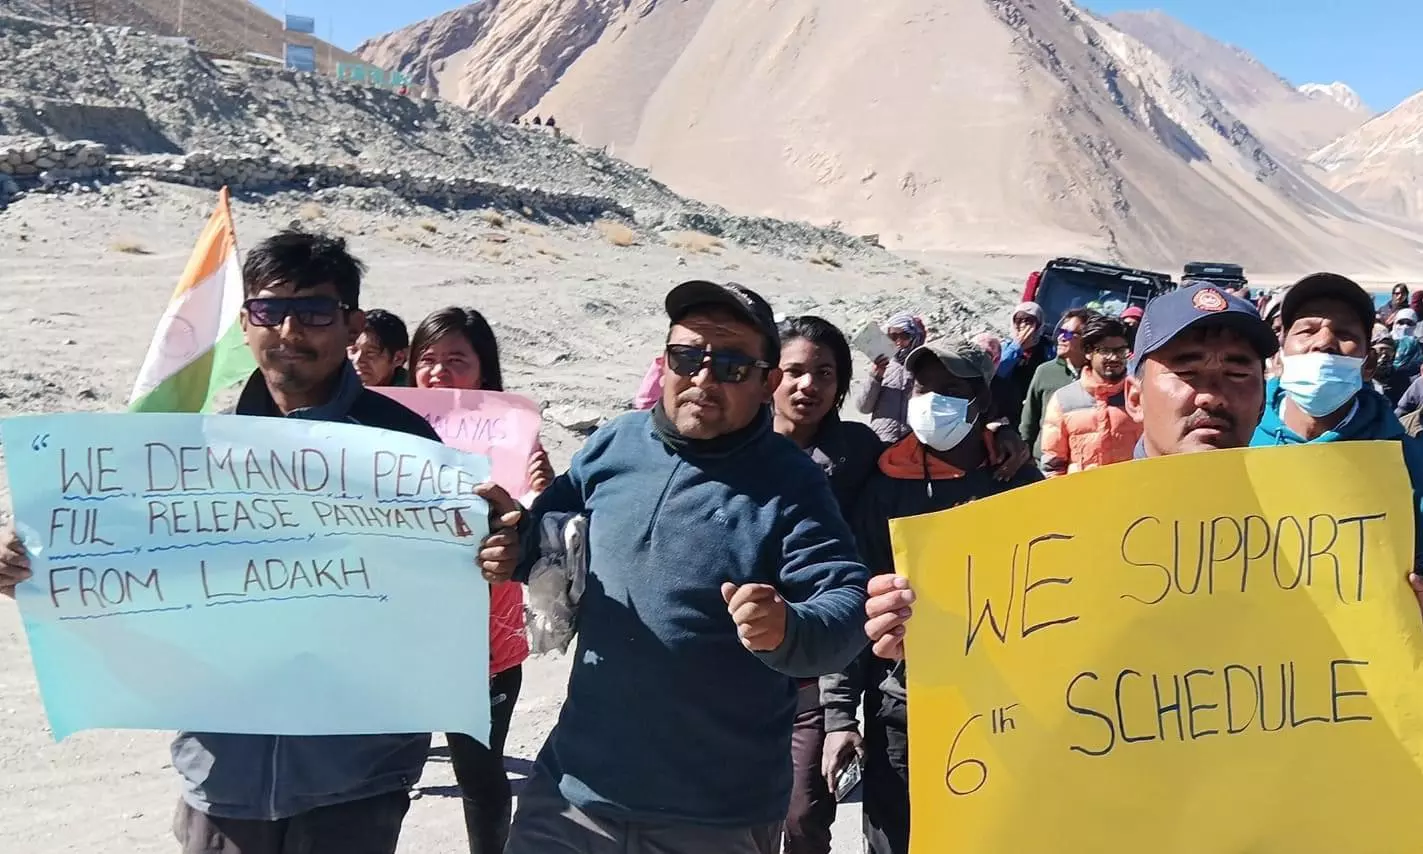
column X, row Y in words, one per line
column 250, row 575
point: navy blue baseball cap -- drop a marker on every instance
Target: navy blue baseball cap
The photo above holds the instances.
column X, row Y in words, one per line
column 1193, row 305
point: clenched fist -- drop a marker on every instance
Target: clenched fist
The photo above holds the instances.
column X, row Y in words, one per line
column 759, row 613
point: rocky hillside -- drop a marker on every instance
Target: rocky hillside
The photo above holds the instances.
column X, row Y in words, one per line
column 1294, row 122
column 261, row 128
column 980, row 125
column 497, row 57
column 1380, row 165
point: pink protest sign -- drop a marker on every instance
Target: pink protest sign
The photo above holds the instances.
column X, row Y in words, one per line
column 503, row 427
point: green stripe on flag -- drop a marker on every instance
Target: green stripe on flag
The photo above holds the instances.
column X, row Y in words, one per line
column 193, row 388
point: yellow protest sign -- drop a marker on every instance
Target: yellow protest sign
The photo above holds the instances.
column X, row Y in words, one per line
column 1205, row 654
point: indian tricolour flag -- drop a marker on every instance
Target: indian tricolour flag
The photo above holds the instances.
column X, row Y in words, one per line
column 197, row 350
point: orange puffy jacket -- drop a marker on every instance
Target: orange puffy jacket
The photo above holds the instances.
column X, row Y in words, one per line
column 1086, row 425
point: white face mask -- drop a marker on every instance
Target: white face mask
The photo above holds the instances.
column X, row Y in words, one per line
column 939, row 421
column 1321, row 383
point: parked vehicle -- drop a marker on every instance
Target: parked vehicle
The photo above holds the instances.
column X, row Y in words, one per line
column 1067, row 283
column 1230, row 276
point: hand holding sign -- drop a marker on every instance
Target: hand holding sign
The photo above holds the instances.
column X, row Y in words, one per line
column 759, row 613
column 540, row 471
column 1223, row 657
column 499, row 553
column 887, row 610
column 14, row 562
column 245, row 575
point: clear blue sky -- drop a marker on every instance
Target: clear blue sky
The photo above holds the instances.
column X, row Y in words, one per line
column 1376, row 46
column 354, row 21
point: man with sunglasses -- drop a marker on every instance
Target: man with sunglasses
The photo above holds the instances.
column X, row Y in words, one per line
column 1051, row 376
column 267, row 794
column 719, row 573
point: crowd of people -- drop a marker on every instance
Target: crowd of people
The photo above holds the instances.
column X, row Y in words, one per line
column 742, row 612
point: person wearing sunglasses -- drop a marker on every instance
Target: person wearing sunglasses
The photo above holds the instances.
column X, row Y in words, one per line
column 1086, row 424
column 256, row 793
column 1397, row 301
column 1051, row 376
column 720, row 572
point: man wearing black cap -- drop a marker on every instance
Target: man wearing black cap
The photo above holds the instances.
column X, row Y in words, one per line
column 1321, row 395
column 719, row 572
column 948, row 459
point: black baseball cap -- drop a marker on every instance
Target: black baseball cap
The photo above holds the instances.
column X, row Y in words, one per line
column 1328, row 286
column 1202, row 303
column 738, row 299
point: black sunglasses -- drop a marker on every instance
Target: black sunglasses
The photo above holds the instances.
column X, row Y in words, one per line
column 727, row 366
column 309, row 311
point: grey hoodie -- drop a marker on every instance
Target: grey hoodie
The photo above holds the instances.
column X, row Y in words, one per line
column 269, row 777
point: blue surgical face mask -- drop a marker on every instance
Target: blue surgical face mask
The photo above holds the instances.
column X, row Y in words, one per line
column 940, row 421
column 1321, row 383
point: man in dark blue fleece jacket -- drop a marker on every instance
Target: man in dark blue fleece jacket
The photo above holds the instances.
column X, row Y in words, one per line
column 1320, row 395
column 720, row 571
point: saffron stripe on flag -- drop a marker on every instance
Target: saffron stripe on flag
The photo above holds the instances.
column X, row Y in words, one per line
column 197, row 350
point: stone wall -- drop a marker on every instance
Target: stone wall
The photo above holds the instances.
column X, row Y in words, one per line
column 39, row 164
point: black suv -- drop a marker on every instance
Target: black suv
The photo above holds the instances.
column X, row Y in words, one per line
column 1067, row 283
column 1228, row 276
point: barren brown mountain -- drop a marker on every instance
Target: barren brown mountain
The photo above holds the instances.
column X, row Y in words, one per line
column 1380, row 165
column 980, row 125
column 1291, row 122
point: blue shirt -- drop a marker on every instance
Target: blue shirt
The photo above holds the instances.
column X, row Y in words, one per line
column 1370, row 418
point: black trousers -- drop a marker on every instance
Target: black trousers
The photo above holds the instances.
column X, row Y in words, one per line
column 886, row 774
column 812, row 809
column 369, row 826
column 488, row 799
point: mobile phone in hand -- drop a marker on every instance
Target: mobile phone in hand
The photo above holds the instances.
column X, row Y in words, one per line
column 848, row 779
